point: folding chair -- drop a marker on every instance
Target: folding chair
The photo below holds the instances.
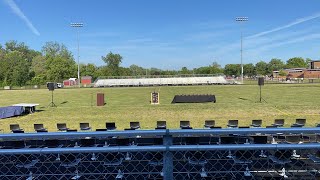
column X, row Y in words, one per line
column 299, row 123
column 161, row 125
column 39, row 128
column 241, row 160
column 134, row 125
column 15, row 128
column 293, row 139
column 256, row 123
column 111, row 126
column 62, row 126
column 278, row 122
column 28, row 165
column 209, row 123
column 233, row 123
column 114, row 161
column 85, row 126
column 185, row 125
column 155, row 165
column 70, row 164
column 195, row 161
column 314, row 158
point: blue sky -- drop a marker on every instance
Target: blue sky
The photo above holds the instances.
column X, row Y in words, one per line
column 168, row 34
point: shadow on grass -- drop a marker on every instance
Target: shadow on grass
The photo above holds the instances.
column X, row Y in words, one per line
column 244, row 99
column 64, row 102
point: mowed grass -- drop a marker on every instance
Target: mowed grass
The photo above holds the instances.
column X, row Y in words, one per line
column 288, row 101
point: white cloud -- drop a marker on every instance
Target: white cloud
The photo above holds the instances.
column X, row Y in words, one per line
column 262, row 43
column 296, row 22
column 14, row 7
column 286, row 42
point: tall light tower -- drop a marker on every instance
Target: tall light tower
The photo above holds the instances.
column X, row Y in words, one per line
column 77, row 26
column 241, row 20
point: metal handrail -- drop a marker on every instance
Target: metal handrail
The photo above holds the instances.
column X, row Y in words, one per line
column 160, row 132
column 161, row 148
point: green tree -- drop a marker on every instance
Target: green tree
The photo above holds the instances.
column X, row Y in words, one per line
column 123, row 71
column 113, row 62
column 155, row 71
column 16, row 69
column 38, row 70
column 232, row 69
column 60, row 64
column 261, row 68
column 136, row 70
column 215, row 68
column 249, row 70
column 59, row 68
column 308, row 60
column 2, row 70
column 203, row 70
column 296, row 62
column 26, row 53
column 89, row 70
column 282, row 73
column 185, row 70
column 53, row 49
column 275, row 65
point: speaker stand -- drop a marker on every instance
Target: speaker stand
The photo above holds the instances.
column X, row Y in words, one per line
column 52, row 104
column 261, row 98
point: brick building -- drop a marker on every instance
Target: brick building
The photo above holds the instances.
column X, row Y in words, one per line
column 86, row 80
column 314, row 64
column 312, row 72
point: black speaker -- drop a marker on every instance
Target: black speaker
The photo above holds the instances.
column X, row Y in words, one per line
column 260, row 81
column 50, row 86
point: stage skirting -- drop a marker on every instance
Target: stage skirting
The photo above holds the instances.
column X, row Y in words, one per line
column 10, row 111
column 193, row 98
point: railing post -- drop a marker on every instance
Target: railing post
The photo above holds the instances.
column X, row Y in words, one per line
column 167, row 157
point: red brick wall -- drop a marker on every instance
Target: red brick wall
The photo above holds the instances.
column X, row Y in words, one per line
column 86, row 81
column 312, row 74
column 296, row 75
column 316, row 65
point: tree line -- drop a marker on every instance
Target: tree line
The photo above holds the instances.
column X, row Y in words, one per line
column 20, row 65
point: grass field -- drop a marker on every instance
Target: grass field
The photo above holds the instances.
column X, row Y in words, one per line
column 288, row 101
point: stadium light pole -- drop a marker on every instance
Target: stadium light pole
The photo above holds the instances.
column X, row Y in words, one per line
column 77, row 26
column 241, row 20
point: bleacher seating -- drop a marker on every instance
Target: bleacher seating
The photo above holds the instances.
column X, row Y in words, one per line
column 68, row 157
column 161, row 81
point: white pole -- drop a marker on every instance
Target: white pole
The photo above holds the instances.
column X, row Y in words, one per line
column 79, row 81
column 78, row 25
column 241, row 19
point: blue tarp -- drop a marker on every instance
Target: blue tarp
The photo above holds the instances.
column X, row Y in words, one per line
column 10, row 111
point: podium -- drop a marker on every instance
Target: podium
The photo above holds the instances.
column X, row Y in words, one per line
column 155, row 98
column 100, row 99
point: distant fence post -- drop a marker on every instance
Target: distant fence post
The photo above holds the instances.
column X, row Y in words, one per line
column 167, row 157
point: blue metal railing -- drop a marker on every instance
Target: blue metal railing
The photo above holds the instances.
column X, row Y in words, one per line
column 169, row 151
column 172, row 132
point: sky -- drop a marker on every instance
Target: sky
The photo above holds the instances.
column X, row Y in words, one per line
column 168, row 34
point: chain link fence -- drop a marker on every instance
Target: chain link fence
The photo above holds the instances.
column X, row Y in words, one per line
column 169, row 154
